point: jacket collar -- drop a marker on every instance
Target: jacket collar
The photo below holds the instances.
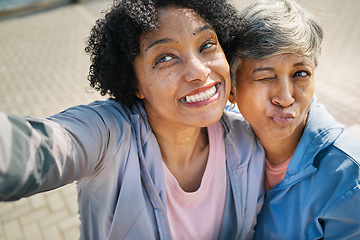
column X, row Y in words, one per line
column 151, row 166
column 321, row 130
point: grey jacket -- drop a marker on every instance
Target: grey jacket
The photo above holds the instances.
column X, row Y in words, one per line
column 113, row 154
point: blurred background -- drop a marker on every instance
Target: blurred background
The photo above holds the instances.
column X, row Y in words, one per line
column 43, row 70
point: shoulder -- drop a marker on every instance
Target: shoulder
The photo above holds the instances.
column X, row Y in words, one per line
column 341, row 169
column 108, row 108
column 344, row 159
column 340, row 165
column 234, row 122
column 239, row 137
column 343, row 155
column 96, row 113
column 101, row 120
column 348, row 146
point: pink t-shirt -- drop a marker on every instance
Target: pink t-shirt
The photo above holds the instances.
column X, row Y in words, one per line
column 199, row 214
column 274, row 174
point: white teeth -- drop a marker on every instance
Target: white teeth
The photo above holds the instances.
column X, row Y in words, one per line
column 201, row 96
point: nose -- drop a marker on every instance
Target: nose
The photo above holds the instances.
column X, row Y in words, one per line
column 283, row 92
column 196, row 69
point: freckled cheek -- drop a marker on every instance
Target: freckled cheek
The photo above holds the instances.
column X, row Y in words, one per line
column 306, row 103
column 219, row 63
column 305, row 95
column 311, row 90
column 163, row 85
column 251, row 94
column 253, row 101
column 307, row 87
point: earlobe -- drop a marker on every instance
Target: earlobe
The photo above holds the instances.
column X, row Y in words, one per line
column 232, row 96
column 139, row 94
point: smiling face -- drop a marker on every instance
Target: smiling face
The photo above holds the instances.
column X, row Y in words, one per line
column 274, row 95
column 182, row 73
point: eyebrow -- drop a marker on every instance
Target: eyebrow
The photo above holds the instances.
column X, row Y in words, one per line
column 157, row 42
column 263, row 69
column 203, row 28
column 271, row 68
column 166, row 40
column 301, row 64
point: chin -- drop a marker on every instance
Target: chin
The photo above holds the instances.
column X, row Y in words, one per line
column 282, row 134
column 209, row 120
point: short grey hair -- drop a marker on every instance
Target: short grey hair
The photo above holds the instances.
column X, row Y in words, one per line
column 273, row 27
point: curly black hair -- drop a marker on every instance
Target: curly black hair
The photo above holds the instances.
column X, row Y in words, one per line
column 113, row 41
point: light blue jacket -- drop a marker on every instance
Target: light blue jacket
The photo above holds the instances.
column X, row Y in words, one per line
column 320, row 195
column 111, row 150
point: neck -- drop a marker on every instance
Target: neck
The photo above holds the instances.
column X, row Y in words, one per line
column 184, row 151
column 179, row 145
column 280, row 150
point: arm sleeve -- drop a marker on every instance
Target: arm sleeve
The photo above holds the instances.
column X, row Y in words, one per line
column 42, row 154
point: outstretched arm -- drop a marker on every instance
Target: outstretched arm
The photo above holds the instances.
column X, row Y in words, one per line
column 42, row 154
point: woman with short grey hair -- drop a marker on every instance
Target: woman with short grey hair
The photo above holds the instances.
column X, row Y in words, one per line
column 273, row 27
column 313, row 165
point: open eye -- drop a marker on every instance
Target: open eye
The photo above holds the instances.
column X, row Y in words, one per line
column 207, row 45
column 301, row 74
column 163, row 58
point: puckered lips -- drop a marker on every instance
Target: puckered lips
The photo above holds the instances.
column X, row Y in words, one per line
column 202, row 96
column 283, row 118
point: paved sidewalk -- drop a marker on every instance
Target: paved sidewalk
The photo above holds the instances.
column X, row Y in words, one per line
column 43, row 70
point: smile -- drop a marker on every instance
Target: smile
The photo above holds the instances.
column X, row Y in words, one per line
column 200, row 96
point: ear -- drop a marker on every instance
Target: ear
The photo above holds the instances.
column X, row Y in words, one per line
column 139, row 94
column 232, row 96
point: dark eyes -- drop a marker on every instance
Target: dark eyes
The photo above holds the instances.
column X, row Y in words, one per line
column 163, row 58
column 168, row 57
column 301, row 74
column 207, row 45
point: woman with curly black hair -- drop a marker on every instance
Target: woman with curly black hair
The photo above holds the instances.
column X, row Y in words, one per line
column 113, row 44
column 160, row 159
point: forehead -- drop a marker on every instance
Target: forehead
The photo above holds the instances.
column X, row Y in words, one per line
column 174, row 20
column 278, row 61
column 171, row 11
column 179, row 15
